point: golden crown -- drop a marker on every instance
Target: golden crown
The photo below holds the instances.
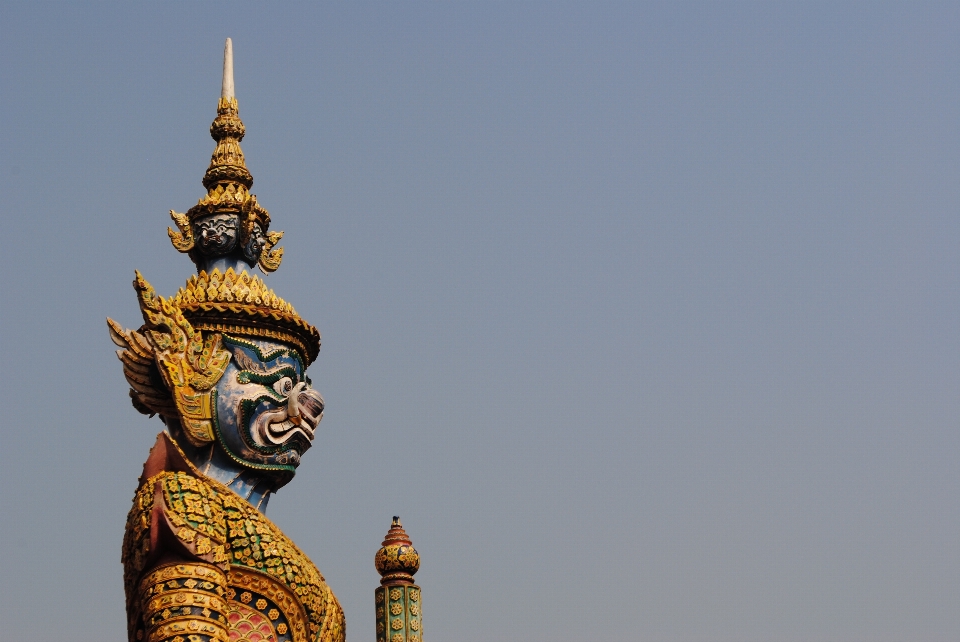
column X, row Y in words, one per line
column 243, row 304
column 227, row 298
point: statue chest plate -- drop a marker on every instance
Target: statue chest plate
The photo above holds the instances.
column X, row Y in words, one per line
column 274, row 592
column 262, row 609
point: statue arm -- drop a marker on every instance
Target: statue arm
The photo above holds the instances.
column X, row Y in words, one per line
column 180, row 599
column 175, row 569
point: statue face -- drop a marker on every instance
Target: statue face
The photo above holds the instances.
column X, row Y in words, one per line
column 216, row 234
column 266, row 411
column 255, row 244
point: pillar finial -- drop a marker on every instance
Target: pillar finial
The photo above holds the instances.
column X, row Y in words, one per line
column 398, row 599
column 397, row 561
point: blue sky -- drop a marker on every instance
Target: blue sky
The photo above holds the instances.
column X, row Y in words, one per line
column 643, row 317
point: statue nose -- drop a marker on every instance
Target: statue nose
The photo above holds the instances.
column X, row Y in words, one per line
column 311, row 405
column 293, row 405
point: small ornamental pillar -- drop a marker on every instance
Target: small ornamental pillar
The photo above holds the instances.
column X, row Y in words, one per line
column 398, row 598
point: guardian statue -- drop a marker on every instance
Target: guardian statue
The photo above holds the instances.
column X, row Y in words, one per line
column 223, row 362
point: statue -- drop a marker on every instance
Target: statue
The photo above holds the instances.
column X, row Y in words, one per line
column 223, row 363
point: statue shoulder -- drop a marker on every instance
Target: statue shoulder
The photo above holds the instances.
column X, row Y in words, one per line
column 197, row 511
column 178, row 513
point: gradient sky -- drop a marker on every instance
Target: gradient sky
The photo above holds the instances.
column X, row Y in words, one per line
column 644, row 318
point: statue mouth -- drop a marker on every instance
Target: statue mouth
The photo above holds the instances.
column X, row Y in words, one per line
column 301, row 416
column 212, row 242
column 282, row 431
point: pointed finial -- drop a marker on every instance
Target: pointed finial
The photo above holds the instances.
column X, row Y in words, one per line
column 397, row 561
column 399, row 605
column 247, row 238
column 226, row 88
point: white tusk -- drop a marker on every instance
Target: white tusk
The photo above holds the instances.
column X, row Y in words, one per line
column 293, row 406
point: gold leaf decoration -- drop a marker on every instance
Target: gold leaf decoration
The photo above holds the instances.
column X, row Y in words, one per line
column 189, row 363
column 182, row 239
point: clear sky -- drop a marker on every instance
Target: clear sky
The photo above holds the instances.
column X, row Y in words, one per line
column 644, row 318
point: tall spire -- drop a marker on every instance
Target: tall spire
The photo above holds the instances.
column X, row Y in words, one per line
column 227, row 227
column 226, row 88
column 227, row 165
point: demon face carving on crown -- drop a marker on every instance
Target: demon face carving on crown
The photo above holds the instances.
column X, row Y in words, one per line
column 241, row 404
column 217, row 234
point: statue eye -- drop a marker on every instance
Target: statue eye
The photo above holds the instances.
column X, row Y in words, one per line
column 283, row 386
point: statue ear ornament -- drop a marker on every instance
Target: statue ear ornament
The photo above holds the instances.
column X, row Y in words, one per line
column 269, row 257
column 188, row 363
column 183, row 238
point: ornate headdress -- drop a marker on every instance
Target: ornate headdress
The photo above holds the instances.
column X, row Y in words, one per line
column 228, row 183
column 176, row 358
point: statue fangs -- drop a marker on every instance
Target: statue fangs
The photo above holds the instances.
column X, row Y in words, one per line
column 223, row 362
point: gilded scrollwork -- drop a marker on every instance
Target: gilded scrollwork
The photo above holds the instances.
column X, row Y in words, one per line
column 189, row 364
column 270, row 258
column 182, row 237
column 241, row 303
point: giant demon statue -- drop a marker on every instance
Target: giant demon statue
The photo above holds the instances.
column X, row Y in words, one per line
column 223, row 362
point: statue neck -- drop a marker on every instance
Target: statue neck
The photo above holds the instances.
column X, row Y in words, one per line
column 224, row 263
column 251, row 485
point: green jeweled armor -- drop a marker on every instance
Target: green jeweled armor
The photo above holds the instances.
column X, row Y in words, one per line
column 181, row 519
